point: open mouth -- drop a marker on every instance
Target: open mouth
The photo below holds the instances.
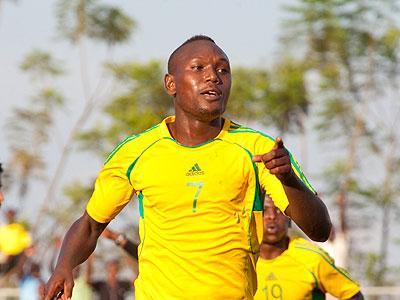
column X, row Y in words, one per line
column 212, row 94
column 271, row 228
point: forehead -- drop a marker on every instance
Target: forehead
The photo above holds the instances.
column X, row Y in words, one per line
column 201, row 49
column 268, row 202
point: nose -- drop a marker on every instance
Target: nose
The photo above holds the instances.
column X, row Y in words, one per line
column 270, row 213
column 212, row 75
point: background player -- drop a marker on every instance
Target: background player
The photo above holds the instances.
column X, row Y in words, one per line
column 295, row 269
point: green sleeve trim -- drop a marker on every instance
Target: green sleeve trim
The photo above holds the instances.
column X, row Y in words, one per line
column 246, row 129
column 302, row 177
column 316, row 285
column 318, row 295
column 132, row 165
column 127, row 140
column 258, row 203
column 330, row 262
column 141, row 209
column 119, row 146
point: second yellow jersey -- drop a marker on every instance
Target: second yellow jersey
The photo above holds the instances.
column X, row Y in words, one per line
column 198, row 210
column 14, row 239
column 302, row 272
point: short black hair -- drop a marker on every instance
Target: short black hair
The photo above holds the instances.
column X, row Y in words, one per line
column 199, row 37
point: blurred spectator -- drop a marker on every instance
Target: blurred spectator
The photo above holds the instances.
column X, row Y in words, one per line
column 112, row 288
column 122, row 241
column 31, row 284
column 14, row 239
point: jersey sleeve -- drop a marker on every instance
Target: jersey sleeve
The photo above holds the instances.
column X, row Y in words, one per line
column 336, row 281
column 269, row 182
column 112, row 190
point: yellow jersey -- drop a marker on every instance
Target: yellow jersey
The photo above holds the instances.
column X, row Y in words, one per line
column 198, row 206
column 14, row 239
column 303, row 272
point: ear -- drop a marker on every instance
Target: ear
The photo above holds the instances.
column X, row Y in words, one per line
column 169, row 84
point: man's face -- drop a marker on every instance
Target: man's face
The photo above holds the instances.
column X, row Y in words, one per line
column 275, row 223
column 201, row 80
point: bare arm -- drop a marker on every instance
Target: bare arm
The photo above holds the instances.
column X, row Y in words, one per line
column 305, row 208
column 79, row 242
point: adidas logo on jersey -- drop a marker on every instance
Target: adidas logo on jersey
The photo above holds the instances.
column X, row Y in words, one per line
column 195, row 170
column 271, row 276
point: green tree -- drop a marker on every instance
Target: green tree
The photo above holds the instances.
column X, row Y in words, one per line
column 141, row 103
column 79, row 20
column 32, row 125
column 275, row 97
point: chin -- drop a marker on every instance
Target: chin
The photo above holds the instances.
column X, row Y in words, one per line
column 211, row 114
column 270, row 241
column 206, row 117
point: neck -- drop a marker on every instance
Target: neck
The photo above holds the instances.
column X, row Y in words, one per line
column 192, row 132
column 271, row 251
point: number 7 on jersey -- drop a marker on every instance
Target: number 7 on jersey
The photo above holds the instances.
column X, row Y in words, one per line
column 199, row 185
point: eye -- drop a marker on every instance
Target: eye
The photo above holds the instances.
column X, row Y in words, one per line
column 197, row 67
column 223, row 70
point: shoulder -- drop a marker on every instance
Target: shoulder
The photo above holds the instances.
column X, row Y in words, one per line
column 135, row 143
column 240, row 130
column 249, row 137
column 309, row 251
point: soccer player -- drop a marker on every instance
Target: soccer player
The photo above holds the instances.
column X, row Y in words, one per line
column 197, row 177
column 295, row 269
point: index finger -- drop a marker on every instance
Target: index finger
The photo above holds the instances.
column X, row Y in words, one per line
column 278, row 143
